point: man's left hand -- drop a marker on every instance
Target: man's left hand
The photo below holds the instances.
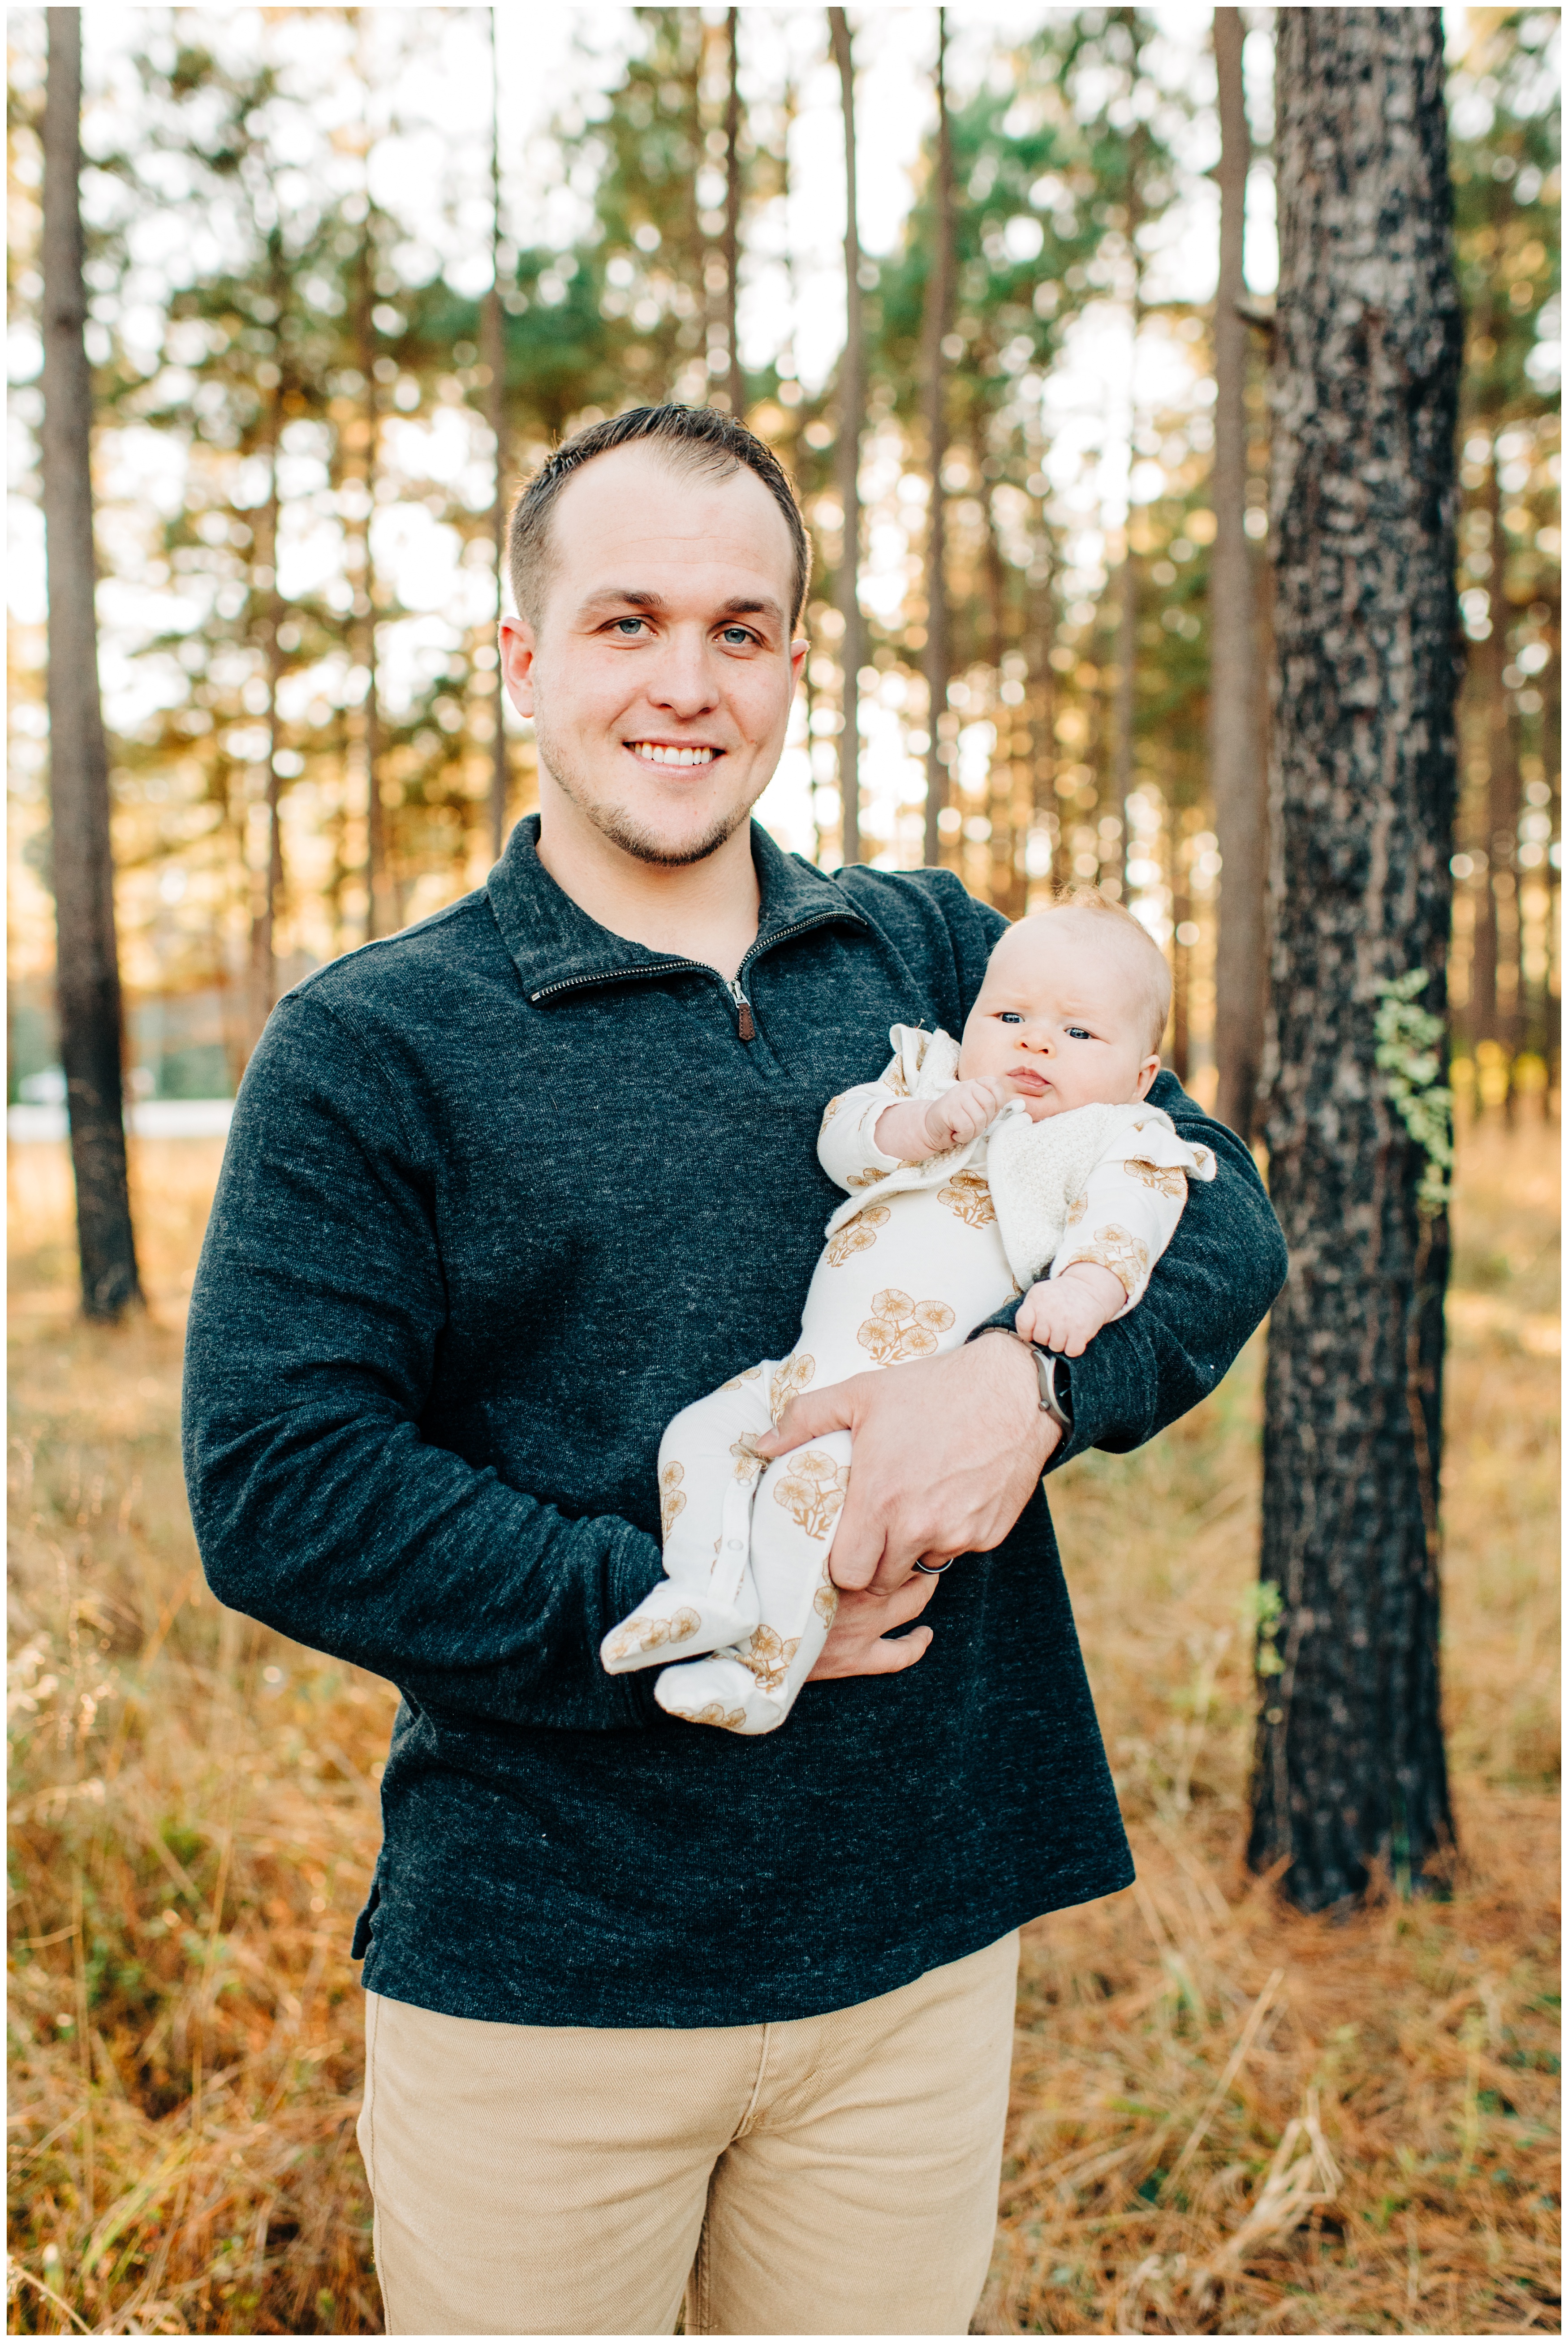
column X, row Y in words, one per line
column 947, row 1452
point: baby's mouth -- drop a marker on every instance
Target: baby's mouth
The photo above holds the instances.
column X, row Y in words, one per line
column 1027, row 1078
column 670, row 757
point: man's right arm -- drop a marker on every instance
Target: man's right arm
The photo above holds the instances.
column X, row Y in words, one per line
column 320, row 1508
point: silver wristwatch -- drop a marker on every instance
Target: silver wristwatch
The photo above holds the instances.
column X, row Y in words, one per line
column 1052, row 1402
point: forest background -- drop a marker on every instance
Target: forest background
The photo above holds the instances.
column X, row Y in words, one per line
column 292, row 225
column 305, row 405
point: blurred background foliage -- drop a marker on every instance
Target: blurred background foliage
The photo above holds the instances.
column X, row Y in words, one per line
column 290, row 248
column 297, row 467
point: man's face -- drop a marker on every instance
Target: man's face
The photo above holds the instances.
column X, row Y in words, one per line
column 659, row 669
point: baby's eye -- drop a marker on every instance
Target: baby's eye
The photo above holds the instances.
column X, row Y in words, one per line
column 1011, row 1017
column 1079, row 1033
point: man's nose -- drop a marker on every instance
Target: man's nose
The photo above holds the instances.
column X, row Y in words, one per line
column 684, row 681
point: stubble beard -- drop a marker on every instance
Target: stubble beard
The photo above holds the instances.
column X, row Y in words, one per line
column 619, row 826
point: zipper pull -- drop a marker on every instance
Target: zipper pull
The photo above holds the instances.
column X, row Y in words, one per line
column 748, row 1030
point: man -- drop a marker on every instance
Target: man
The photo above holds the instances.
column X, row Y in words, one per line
column 653, row 2009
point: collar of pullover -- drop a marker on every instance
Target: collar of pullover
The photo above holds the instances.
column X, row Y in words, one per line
column 553, row 942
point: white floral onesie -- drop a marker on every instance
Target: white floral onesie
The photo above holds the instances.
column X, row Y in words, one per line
column 917, row 1256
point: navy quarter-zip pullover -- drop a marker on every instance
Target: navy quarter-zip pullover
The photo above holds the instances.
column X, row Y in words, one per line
column 502, row 1195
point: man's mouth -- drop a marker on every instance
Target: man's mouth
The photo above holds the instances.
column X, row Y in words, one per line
column 661, row 752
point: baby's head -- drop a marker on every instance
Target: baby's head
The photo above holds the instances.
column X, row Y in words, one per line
column 1071, row 1009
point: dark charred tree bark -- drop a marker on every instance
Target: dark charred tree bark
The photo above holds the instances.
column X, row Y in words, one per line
column 1349, row 1762
column 88, row 969
column 938, row 659
column 495, row 359
column 737, row 385
column 1235, row 739
column 850, row 422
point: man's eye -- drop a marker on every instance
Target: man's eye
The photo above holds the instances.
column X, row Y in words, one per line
column 629, row 626
column 737, row 637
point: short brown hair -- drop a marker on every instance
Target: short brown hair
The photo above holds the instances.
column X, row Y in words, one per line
column 1158, row 999
column 696, row 438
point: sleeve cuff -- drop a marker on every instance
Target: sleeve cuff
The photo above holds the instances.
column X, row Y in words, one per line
column 871, row 1155
column 635, row 1567
column 1114, row 1391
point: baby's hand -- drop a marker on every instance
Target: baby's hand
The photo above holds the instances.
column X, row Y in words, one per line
column 916, row 1130
column 966, row 1110
column 1066, row 1312
column 964, row 1113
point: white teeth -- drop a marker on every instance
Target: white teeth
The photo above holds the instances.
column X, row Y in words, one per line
column 658, row 755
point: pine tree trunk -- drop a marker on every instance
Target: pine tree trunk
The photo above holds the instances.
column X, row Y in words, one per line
column 1489, row 1018
column 268, row 896
column 1349, row 1769
column 851, row 421
column 1504, row 806
column 495, row 359
column 377, row 915
column 87, row 957
column 1124, row 702
column 938, row 310
column 1181, row 955
column 1124, row 770
column 1004, row 885
column 1549, row 995
column 1235, row 743
column 1045, row 753
column 733, row 218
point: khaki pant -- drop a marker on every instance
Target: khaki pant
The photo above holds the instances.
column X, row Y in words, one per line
column 833, row 2175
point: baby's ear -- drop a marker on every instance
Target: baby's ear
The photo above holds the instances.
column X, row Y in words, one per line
column 1146, row 1072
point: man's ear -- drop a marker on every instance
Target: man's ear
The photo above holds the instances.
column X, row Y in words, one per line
column 797, row 652
column 1146, row 1072
column 517, row 649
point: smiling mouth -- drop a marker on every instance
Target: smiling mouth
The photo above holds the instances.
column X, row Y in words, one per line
column 671, row 758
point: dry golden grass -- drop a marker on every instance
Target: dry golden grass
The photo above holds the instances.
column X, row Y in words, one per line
column 193, row 1822
column 1227, row 2118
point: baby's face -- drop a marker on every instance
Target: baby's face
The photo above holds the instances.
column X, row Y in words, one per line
column 1063, row 1013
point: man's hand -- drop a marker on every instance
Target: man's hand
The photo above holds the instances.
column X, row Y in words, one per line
column 1064, row 1313
column 947, row 1452
column 855, row 1644
column 918, row 1129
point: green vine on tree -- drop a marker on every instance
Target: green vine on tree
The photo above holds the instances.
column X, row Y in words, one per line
column 1407, row 1038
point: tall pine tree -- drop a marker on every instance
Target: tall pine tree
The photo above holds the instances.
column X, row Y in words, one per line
column 87, row 963
column 1350, row 1768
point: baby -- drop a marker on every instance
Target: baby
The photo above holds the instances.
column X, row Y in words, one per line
column 971, row 1172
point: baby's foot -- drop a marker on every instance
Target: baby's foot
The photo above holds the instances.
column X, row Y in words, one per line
column 719, row 1691
column 670, row 1621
